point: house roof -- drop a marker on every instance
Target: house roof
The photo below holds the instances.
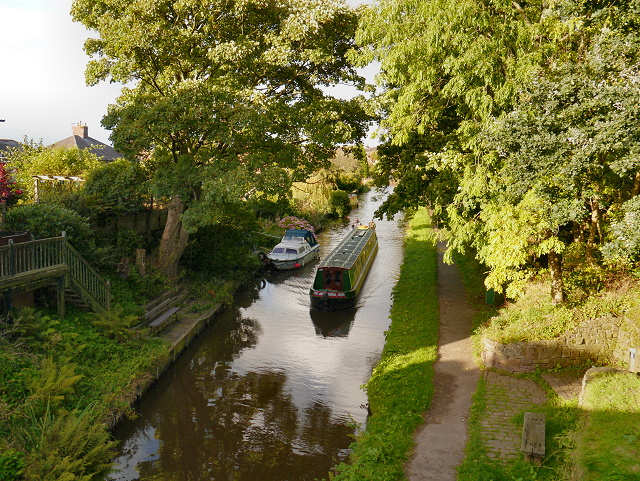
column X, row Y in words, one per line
column 5, row 145
column 81, row 139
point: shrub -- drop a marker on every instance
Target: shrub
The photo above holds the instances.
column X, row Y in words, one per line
column 116, row 188
column 339, row 204
column 50, row 220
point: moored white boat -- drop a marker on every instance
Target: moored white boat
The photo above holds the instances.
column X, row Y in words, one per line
column 297, row 248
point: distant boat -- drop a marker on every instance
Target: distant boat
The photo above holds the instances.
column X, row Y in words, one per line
column 340, row 276
column 297, row 248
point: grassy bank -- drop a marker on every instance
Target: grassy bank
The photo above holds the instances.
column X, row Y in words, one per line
column 401, row 386
column 598, row 440
column 60, row 379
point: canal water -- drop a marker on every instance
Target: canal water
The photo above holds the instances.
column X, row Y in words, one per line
column 271, row 391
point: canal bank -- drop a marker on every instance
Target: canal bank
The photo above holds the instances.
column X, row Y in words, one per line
column 401, row 386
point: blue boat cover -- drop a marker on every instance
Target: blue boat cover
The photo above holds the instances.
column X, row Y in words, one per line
column 307, row 234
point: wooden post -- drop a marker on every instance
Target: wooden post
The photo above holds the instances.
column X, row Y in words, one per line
column 141, row 262
column 109, row 298
column 36, row 197
column 62, row 279
column 8, row 301
column 533, row 437
column 61, row 310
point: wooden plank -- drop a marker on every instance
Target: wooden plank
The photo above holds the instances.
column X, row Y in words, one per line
column 533, row 436
column 37, row 274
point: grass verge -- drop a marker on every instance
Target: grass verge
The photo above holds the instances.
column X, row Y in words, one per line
column 608, row 447
column 401, row 386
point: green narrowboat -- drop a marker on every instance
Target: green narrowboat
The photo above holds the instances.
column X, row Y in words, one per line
column 341, row 274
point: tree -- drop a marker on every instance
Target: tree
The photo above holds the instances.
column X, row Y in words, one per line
column 226, row 94
column 567, row 156
column 482, row 98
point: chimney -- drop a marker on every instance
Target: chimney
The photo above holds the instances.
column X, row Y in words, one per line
column 81, row 130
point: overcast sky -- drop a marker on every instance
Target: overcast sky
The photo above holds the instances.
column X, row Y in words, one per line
column 42, row 88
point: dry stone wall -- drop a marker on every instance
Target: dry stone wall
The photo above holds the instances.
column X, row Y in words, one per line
column 595, row 340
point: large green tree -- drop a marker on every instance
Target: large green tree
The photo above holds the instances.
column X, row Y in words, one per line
column 514, row 121
column 226, row 94
column 567, row 156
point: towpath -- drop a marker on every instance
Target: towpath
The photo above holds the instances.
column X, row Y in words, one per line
column 440, row 442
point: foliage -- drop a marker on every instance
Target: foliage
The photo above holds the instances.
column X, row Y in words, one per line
column 50, row 220
column 112, row 189
column 35, row 159
column 116, row 324
column 608, row 445
column 625, row 234
column 519, row 127
column 292, row 222
column 11, row 465
column 59, row 380
column 9, row 191
column 271, row 208
column 68, row 445
column 339, row 204
column 212, row 289
column 226, row 95
column 224, row 247
column 401, row 386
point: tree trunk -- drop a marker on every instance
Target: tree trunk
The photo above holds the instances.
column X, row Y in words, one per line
column 557, row 286
column 174, row 239
column 593, row 228
column 636, row 185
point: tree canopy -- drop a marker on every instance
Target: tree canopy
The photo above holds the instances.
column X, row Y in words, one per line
column 516, row 123
column 227, row 94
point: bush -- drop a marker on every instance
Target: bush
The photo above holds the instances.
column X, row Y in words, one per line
column 116, row 188
column 339, row 204
column 226, row 246
column 50, row 220
column 269, row 209
column 347, row 182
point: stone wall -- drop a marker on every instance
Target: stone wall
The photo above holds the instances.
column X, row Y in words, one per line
column 597, row 340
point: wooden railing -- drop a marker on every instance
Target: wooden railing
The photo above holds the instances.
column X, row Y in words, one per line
column 83, row 274
column 22, row 258
column 29, row 261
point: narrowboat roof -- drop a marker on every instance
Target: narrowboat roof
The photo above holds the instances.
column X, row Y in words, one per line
column 347, row 252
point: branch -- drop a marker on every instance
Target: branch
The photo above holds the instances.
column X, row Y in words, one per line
column 521, row 11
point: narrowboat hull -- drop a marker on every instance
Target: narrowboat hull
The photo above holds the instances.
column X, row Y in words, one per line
column 340, row 277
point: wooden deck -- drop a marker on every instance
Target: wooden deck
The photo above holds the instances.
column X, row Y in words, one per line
column 28, row 265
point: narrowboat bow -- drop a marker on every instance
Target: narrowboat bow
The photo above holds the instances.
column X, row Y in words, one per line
column 340, row 276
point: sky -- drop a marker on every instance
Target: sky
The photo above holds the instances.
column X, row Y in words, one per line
column 42, row 88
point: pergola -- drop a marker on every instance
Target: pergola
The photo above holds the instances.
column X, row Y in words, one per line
column 58, row 178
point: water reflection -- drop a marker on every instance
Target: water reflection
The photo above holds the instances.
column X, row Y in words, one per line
column 265, row 394
column 334, row 323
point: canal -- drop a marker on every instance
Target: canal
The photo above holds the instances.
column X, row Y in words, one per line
column 272, row 390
